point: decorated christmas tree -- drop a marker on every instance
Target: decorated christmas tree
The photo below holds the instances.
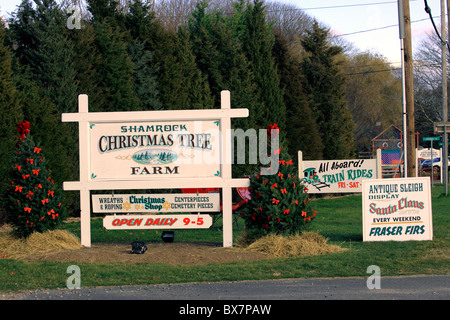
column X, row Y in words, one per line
column 33, row 201
column 280, row 204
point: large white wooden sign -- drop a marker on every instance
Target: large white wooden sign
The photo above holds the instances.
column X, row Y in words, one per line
column 138, row 150
column 397, row 209
column 100, row 157
column 337, row 176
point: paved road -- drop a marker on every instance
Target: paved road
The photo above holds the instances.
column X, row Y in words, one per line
column 391, row 288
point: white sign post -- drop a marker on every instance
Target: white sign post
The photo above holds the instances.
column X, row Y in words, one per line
column 397, row 209
column 155, row 150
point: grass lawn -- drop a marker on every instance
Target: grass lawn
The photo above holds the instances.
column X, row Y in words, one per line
column 339, row 220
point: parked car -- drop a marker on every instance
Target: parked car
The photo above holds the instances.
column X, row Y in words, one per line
column 436, row 163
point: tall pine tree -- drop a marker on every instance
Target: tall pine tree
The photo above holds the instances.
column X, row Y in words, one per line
column 114, row 70
column 113, row 66
column 301, row 128
column 42, row 46
column 181, row 83
column 324, row 85
column 219, row 54
column 144, row 32
column 141, row 23
column 45, row 77
column 257, row 40
column 11, row 111
column 145, row 77
column 86, row 60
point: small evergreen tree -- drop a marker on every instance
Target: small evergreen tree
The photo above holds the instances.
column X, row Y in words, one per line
column 33, row 201
column 279, row 203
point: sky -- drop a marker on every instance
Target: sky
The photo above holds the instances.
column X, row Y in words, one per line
column 350, row 18
column 354, row 16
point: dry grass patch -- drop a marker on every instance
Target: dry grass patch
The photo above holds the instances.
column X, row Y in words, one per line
column 307, row 243
column 13, row 247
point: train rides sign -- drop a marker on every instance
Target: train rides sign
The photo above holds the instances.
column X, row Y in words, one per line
column 338, row 176
column 168, row 149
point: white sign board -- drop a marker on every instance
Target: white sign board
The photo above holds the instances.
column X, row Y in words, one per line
column 164, row 149
column 160, row 203
column 178, row 221
column 336, row 176
column 426, row 153
column 397, row 209
column 142, row 150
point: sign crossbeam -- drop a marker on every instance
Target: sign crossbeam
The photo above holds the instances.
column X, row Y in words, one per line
column 117, row 117
column 222, row 179
column 162, row 184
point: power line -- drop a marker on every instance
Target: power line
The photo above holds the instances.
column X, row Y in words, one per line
column 383, row 64
column 371, row 71
column 428, row 10
column 353, row 5
column 375, row 29
column 341, row 6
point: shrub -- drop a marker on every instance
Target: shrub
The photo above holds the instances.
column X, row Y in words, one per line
column 33, row 201
column 279, row 203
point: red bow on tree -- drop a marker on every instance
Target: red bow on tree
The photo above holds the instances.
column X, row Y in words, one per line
column 23, row 128
column 271, row 127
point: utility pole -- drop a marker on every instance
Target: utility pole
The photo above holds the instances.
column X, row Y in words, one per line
column 411, row 133
column 444, row 160
column 401, row 27
column 444, row 62
column 408, row 94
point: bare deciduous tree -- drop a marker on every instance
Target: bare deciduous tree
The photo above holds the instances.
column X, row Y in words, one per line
column 428, row 83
